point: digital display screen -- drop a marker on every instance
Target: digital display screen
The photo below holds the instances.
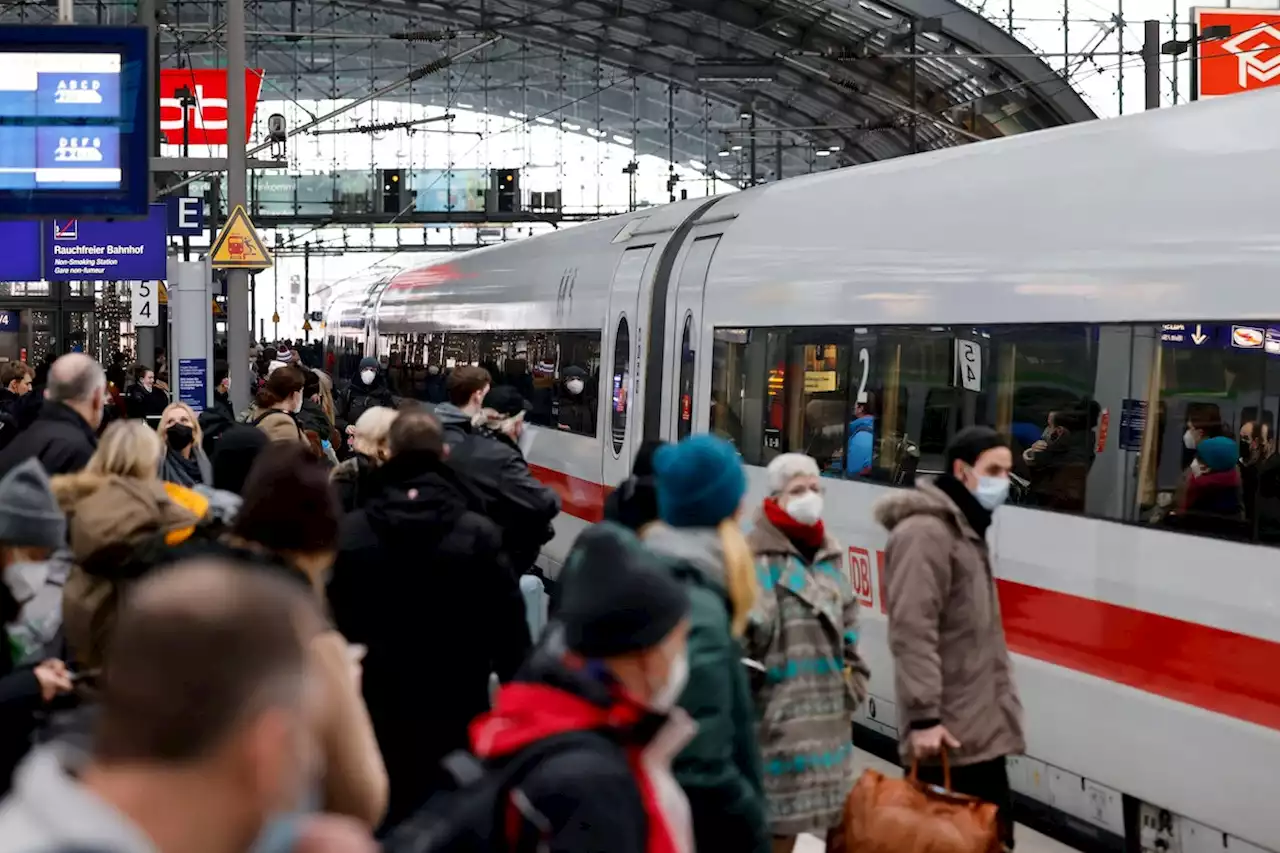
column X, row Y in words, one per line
column 74, row 121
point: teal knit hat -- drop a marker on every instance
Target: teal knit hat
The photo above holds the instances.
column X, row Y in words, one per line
column 700, row 481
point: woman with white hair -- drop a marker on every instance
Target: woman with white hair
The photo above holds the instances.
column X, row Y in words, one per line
column 354, row 477
column 804, row 631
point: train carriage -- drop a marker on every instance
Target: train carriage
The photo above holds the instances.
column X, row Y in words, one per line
column 1114, row 276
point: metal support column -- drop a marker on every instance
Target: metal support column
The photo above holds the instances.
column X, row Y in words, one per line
column 1194, row 47
column 1151, row 62
column 306, row 291
column 145, row 337
column 238, row 331
column 751, row 179
column 777, row 153
column 912, row 135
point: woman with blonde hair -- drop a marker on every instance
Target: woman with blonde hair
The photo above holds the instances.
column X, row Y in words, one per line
column 353, row 478
column 700, row 485
column 183, row 459
column 121, row 520
column 804, row 630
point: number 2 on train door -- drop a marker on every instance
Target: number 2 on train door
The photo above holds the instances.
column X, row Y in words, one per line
column 860, row 575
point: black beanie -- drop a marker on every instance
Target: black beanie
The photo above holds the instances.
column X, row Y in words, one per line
column 234, row 455
column 616, row 596
column 972, row 442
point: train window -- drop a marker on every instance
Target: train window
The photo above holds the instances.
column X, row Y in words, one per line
column 684, row 397
column 620, row 388
column 575, row 380
column 1107, row 421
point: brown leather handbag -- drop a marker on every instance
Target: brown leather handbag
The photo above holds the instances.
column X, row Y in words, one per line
column 883, row 815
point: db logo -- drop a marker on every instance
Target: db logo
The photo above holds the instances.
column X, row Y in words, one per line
column 206, row 119
column 860, row 575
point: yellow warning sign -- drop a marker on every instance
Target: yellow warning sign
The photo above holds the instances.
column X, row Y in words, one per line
column 163, row 293
column 306, row 325
column 275, row 318
column 238, row 246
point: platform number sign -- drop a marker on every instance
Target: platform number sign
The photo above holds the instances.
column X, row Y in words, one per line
column 145, row 304
column 969, row 364
column 860, row 575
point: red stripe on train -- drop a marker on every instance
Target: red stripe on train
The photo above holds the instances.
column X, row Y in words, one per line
column 1213, row 669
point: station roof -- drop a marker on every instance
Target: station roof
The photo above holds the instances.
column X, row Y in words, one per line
column 833, row 75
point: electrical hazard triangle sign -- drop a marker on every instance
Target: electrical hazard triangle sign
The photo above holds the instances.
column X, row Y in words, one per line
column 238, row 246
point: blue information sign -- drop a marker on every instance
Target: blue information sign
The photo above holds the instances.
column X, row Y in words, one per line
column 20, row 260
column 123, row 250
column 10, row 321
column 1133, row 423
column 1190, row 335
column 193, row 382
column 74, row 117
column 186, row 215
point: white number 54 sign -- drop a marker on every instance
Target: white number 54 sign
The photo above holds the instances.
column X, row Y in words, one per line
column 145, row 304
column 969, row 364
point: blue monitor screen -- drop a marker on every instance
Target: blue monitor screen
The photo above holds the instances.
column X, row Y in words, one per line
column 74, row 121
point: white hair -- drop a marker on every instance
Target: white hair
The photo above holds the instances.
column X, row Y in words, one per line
column 786, row 467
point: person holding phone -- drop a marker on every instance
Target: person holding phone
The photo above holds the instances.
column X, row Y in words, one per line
column 31, row 529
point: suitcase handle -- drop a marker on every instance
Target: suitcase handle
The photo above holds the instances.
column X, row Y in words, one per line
column 946, row 771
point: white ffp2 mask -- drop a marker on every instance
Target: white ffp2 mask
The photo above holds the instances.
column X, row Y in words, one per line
column 367, row 376
column 806, row 508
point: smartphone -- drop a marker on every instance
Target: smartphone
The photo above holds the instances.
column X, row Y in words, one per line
column 87, row 675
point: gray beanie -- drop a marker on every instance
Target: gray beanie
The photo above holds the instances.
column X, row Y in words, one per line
column 29, row 513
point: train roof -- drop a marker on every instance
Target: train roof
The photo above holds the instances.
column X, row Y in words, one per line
column 1087, row 219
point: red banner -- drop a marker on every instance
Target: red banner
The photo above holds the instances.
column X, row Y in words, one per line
column 206, row 120
column 1247, row 59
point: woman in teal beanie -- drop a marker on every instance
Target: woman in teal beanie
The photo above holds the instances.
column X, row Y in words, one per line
column 700, row 485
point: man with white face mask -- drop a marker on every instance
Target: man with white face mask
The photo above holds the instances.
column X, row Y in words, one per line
column 954, row 684
column 612, row 669
column 806, row 611
column 366, row 390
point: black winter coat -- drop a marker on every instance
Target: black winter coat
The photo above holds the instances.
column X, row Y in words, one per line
column 19, row 700
column 495, row 471
column 359, row 397
column 61, row 439
column 420, row 581
column 140, row 402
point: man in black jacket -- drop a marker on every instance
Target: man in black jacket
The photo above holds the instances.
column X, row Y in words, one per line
column 611, row 670
column 64, row 436
column 366, row 390
column 420, row 581
column 493, row 465
column 18, row 406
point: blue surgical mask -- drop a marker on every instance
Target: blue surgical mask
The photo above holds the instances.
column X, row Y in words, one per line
column 991, row 492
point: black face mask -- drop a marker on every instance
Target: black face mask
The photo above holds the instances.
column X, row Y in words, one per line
column 180, row 437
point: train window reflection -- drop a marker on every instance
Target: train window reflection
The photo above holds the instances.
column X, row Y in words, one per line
column 620, row 389
column 684, row 395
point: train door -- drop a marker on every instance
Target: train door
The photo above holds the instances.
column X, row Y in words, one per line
column 620, row 365
column 685, row 340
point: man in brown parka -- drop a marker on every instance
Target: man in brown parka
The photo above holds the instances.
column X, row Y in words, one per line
column 954, row 684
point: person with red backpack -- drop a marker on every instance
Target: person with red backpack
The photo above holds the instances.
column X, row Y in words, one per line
column 575, row 756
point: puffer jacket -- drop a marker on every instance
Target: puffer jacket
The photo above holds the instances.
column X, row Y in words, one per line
column 118, row 528
column 720, row 768
column 804, row 630
column 37, row 587
column 950, row 657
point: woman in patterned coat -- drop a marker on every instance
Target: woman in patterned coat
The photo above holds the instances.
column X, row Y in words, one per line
column 804, row 631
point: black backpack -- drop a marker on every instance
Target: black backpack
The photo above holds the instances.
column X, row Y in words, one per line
column 213, row 423
column 485, row 812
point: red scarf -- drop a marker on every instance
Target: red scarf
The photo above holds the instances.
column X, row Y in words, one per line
column 808, row 535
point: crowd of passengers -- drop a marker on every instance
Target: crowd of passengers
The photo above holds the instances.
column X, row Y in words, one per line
column 283, row 628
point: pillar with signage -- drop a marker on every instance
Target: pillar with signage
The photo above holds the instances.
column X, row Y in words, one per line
column 191, row 347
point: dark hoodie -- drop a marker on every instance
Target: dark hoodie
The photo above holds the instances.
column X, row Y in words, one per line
column 421, row 582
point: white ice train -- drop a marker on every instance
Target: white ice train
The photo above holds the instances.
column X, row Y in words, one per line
column 1131, row 262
